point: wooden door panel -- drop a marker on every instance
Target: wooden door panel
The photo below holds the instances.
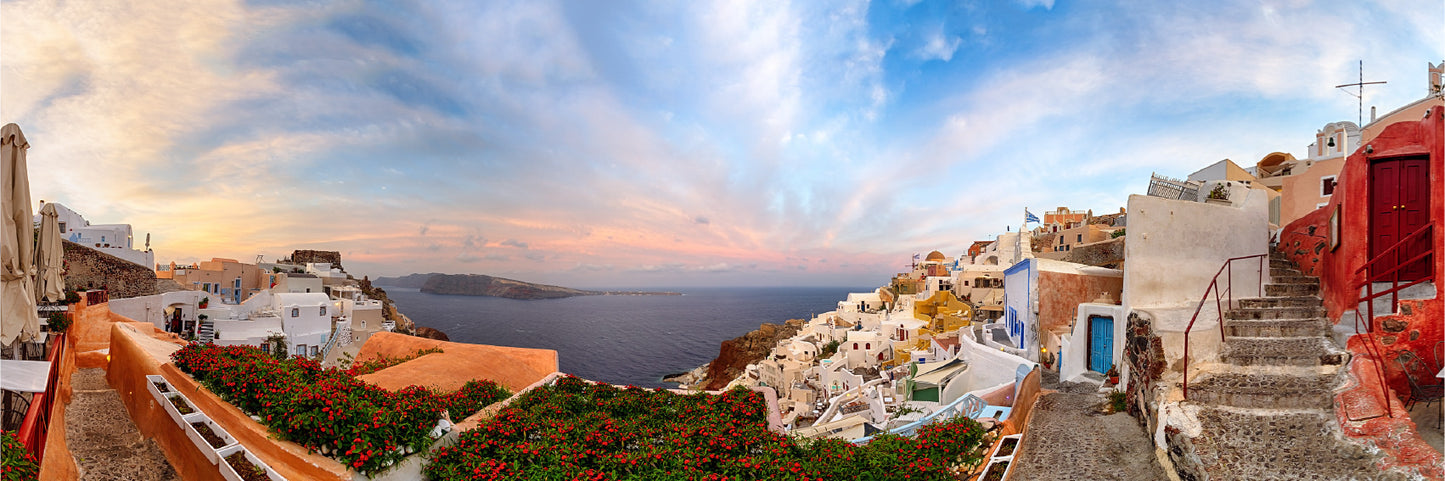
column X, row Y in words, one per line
column 1414, row 213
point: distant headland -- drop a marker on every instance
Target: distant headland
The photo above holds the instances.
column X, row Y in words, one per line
column 482, row 285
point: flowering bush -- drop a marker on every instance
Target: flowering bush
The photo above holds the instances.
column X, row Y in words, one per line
column 18, row 464
column 366, row 427
column 576, row 430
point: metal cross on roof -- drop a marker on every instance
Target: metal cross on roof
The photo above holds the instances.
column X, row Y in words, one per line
column 1361, row 95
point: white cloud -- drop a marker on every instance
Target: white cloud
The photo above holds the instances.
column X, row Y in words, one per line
column 938, row 47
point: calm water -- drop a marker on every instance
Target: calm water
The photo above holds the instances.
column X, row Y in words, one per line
column 618, row 339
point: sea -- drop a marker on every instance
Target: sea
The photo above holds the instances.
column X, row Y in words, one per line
column 620, row 339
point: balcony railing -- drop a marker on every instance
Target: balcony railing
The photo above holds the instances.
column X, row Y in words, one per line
column 1228, row 301
column 36, row 427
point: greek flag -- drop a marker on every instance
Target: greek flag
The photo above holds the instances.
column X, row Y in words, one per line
column 1029, row 217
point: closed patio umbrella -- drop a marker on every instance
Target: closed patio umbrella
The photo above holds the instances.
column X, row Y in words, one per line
column 49, row 257
column 17, row 268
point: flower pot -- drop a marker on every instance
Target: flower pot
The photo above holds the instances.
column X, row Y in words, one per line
column 1007, row 446
column 156, row 392
column 1113, row 379
column 171, row 408
column 996, row 470
column 200, row 442
column 229, row 472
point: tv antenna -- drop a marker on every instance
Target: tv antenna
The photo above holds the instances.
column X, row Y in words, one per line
column 1361, row 88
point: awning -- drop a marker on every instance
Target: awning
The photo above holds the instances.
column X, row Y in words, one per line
column 24, row 376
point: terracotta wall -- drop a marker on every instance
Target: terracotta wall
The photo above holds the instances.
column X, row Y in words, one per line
column 512, row 367
column 1060, row 295
column 134, row 355
column 130, row 364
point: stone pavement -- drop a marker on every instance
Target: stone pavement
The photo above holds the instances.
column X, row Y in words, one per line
column 105, row 443
column 1069, row 438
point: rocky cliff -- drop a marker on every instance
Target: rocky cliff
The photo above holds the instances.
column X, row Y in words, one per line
column 480, row 285
column 413, row 281
column 735, row 354
column 431, row 333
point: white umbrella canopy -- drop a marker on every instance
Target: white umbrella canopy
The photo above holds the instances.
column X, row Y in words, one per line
column 17, row 266
column 49, row 257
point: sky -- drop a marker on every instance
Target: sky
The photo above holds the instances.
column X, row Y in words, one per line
column 661, row 144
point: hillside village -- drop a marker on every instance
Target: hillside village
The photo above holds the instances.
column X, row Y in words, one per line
column 1257, row 321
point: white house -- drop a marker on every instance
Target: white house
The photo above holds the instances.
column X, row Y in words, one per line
column 303, row 318
column 114, row 239
column 865, row 349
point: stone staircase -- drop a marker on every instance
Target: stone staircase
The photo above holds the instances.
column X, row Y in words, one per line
column 206, row 331
column 1266, row 410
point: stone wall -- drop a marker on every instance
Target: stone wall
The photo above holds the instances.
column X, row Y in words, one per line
column 1144, row 354
column 1108, row 253
column 302, row 256
column 89, row 268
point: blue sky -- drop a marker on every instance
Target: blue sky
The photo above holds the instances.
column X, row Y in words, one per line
column 663, row 143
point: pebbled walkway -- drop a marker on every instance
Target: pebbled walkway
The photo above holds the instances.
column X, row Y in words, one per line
column 105, row 443
column 1068, row 438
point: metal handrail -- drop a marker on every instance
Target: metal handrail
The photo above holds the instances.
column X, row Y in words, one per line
column 34, row 430
column 1372, row 344
column 1229, row 301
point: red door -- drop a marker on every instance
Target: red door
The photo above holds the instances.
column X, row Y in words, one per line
column 1399, row 205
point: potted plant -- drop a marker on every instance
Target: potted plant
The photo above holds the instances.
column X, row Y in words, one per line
column 1220, row 195
column 1113, row 375
column 205, row 301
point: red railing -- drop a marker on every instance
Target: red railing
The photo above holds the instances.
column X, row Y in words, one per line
column 96, row 297
column 1371, row 276
column 1228, row 268
column 36, row 427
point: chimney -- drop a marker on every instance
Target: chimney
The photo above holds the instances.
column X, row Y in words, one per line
column 1372, row 114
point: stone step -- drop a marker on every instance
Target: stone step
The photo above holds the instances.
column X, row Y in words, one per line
column 1284, row 271
column 1293, row 280
column 1275, row 313
column 1273, row 262
column 1266, row 391
column 1280, row 351
column 1291, row 290
column 1272, row 302
column 1265, row 445
column 1276, row 328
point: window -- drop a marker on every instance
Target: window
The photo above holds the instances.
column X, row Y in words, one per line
column 323, row 311
column 1327, row 186
column 1081, row 238
column 855, row 346
column 300, row 349
column 295, row 312
column 315, row 351
column 62, row 227
column 867, row 345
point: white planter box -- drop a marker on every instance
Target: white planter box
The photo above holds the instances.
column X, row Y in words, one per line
column 1017, row 440
column 171, row 408
column 229, row 472
column 1000, row 465
column 156, row 393
column 201, row 443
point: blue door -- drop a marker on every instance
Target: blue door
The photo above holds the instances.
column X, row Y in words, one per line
column 1101, row 343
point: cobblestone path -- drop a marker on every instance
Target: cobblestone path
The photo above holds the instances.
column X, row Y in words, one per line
column 105, row 443
column 1068, row 439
